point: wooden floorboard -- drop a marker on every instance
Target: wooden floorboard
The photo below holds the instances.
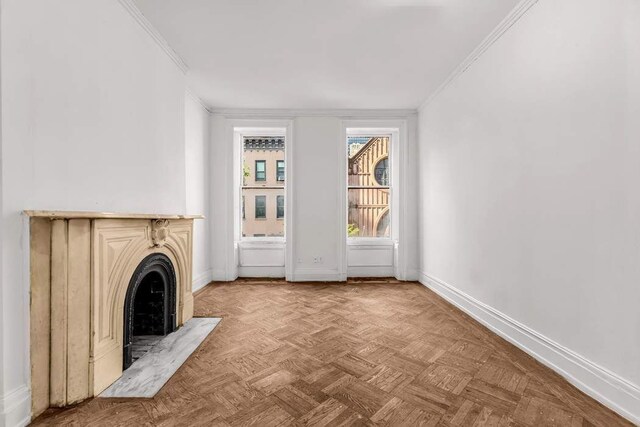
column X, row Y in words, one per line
column 369, row 352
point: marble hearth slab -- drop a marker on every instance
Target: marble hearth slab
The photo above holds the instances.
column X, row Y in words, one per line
column 146, row 376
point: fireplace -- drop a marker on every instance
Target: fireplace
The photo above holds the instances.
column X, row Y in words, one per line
column 101, row 283
column 149, row 306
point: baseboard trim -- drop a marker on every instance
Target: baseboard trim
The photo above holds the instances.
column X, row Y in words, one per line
column 15, row 407
column 370, row 271
column 316, row 275
column 410, row 275
column 220, row 275
column 202, row 280
column 273, row 272
column 606, row 387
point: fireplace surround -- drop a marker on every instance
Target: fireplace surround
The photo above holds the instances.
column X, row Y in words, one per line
column 98, row 280
column 150, row 302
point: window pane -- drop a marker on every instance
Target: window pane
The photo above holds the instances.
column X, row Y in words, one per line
column 280, row 170
column 261, row 170
column 280, row 207
column 261, row 207
column 368, row 166
column 381, row 172
column 368, row 214
column 261, row 190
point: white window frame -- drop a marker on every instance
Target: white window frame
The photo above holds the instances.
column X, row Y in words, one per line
column 398, row 243
column 393, row 135
column 239, row 133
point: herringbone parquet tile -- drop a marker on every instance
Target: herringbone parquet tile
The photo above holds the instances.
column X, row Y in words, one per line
column 365, row 353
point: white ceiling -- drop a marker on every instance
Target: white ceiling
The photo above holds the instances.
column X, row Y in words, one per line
column 322, row 53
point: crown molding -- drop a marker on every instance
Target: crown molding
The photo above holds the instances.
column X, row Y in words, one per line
column 344, row 113
column 133, row 10
column 199, row 100
column 504, row 26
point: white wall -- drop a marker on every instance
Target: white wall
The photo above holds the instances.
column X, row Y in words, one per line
column 3, row 321
column 316, row 178
column 530, row 166
column 92, row 119
column 317, row 212
column 198, row 186
column 223, row 251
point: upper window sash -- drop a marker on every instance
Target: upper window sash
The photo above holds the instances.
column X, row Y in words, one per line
column 261, row 170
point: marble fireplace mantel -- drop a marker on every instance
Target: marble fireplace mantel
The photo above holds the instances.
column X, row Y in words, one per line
column 81, row 265
column 103, row 215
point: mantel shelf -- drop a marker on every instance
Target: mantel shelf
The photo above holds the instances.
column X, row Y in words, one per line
column 102, row 215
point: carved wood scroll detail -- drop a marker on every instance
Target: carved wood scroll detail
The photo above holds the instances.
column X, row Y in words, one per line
column 159, row 232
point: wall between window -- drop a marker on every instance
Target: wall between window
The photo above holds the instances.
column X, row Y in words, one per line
column 316, row 177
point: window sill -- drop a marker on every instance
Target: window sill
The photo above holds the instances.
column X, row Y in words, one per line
column 370, row 241
column 262, row 242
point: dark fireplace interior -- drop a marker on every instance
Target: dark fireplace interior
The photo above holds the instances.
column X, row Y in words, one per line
column 150, row 307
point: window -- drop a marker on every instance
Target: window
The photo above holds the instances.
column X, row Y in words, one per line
column 262, row 194
column 381, row 172
column 261, row 207
column 368, row 186
column 261, row 170
column 280, row 170
column 279, row 206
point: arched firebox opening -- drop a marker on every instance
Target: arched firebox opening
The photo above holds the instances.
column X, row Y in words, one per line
column 149, row 306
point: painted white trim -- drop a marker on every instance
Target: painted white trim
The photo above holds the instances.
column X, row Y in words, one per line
column 219, row 275
column 371, row 246
column 398, row 129
column 262, row 243
column 268, row 254
column 370, row 271
column 232, row 172
column 136, row 14
column 603, row 385
column 362, row 269
column 234, row 129
column 514, row 16
column 412, row 275
column 202, row 280
column 403, row 223
column 15, row 407
column 343, row 196
column 197, row 99
column 289, row 200
column 317, row 275
column 276, row 272
column 292, row 113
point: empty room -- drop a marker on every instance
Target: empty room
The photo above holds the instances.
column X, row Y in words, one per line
column 320, row 213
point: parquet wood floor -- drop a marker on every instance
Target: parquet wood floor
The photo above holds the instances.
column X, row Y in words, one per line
column 362, row 353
